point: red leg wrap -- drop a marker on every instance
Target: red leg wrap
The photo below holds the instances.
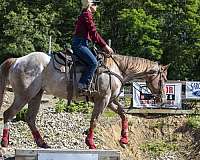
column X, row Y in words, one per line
column 39, row 141
column 90, row 139
column 36, row 135
column 124, row 132
column 5, row 138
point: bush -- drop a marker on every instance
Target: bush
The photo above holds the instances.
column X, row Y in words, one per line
column 60, row 106
column 194, row 121
column 80, row 106
column 21, row 115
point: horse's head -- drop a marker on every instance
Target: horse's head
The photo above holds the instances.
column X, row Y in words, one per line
column 155, row 81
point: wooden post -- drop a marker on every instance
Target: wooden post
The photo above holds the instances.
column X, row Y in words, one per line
column 49, row 45
column 109, row 42
column 1, row 124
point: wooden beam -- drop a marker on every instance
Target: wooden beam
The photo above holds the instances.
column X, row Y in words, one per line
column 161, row 111
column 34, row 154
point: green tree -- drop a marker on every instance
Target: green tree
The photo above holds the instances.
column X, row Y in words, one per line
column 141, row 36
column 180, row 38
column 168, row 31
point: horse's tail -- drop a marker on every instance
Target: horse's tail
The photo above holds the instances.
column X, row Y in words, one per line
column 4, row 71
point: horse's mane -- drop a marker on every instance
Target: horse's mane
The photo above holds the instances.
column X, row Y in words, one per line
column 135, row 64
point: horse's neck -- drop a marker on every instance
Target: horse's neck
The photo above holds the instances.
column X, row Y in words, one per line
column 133, row 67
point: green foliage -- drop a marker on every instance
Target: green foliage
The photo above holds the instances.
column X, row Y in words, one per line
column 81, row 106
column 194, row 121
column 60, row 106
column 128, row 101
column 141, row 30
column 167, row 31
column 159, row 147
column 109, row 114
column 21, row 115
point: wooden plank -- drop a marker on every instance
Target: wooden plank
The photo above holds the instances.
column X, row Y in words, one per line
column 160, row 111
column 32, row 154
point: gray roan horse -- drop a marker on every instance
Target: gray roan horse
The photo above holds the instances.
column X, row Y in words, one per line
column 35, row 73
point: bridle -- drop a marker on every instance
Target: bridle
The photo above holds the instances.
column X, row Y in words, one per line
column 161, row 84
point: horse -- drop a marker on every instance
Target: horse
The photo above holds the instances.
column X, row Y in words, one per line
column 33, row 74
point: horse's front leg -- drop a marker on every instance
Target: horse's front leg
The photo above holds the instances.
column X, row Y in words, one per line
column 117, row 108
column 33, row 108
column 99, row 106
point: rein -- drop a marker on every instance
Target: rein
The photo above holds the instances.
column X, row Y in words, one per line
column 117, row 64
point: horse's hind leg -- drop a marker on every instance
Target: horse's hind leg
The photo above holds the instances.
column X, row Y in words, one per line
column 33, row 108
column 8, row 115
column 117, row 108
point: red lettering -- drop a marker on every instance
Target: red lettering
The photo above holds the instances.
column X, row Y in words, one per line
column 169, row 89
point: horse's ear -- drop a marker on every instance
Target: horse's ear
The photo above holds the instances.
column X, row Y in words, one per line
column 166, row 67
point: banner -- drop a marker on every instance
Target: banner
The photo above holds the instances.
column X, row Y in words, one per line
column 142, row 96
column 192, row 90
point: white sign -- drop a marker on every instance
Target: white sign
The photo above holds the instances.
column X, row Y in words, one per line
column 66, row 156
column 122, row 93
column 192, row 90
column 142, row 96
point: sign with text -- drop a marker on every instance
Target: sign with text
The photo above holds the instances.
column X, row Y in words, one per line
column 192, row 90
column 142, row 96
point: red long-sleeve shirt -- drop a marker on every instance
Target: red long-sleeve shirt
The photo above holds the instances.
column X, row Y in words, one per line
column 85, row 28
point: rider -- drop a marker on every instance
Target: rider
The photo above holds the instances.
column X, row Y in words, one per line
column 85, row 31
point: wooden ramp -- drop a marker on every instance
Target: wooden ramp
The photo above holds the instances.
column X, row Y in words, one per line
column 60, row 154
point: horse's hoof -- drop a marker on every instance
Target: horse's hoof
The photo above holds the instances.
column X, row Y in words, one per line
column 91, row 145
column 122, row 144
column 124, row 140
column 3, row 151
column 4, row 143
column 45, row 146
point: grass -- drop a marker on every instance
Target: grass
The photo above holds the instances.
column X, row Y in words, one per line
column 109, row 114
column 157, row 124
column 158, row 147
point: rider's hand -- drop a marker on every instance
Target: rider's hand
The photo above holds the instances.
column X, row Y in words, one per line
column 108, row 50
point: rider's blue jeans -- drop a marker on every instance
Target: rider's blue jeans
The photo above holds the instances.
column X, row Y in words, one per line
column 80, row 48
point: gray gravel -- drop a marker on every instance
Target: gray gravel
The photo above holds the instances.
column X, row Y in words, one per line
column 63, row 130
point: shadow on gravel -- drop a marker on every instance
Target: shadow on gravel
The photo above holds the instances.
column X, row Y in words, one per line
column 192, row 148
column 10, row 158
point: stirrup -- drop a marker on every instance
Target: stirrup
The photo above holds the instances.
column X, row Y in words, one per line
column 87, row 92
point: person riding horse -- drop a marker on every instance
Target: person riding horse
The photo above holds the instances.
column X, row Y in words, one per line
column 85, row 31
